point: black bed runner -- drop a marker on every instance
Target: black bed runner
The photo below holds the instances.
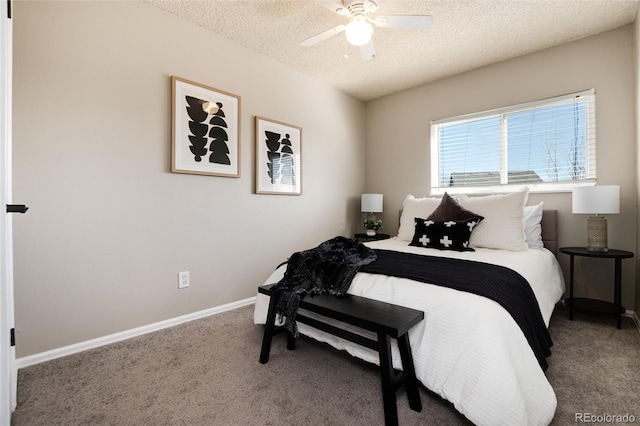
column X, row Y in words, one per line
column 502, row 285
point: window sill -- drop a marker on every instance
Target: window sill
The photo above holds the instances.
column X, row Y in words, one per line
column 539, row 188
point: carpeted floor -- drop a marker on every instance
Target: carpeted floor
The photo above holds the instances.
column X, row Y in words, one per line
column 206, row 372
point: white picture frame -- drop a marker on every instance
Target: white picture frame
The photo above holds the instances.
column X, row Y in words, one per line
column 278, row 157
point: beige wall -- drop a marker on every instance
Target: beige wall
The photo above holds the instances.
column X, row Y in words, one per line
column 398, row 155
column 109, row 227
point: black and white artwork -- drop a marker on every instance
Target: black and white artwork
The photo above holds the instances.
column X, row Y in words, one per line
column 206, row 130
column 278, row 157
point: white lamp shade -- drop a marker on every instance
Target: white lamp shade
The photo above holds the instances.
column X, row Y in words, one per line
column 371, row 203
column 599, row 199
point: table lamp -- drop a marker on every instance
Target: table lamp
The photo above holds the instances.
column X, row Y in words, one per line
column 371, row 204
column 596, row 200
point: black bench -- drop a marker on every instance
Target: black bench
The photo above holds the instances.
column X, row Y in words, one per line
column 387, row 320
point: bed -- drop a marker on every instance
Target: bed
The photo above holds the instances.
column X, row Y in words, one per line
column 469, row 350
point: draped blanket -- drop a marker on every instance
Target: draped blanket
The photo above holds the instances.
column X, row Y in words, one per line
column 328, row 268
column 502, row 285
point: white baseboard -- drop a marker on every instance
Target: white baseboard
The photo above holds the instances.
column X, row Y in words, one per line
column 634, row 317
column 117, row 337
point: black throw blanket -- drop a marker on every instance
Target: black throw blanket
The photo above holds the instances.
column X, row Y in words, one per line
column 503, row 285
column 328, row 268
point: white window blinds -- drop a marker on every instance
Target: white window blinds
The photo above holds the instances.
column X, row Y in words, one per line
column 542, row 144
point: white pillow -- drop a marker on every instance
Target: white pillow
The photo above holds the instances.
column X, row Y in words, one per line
column 502, row 227
column 532, row 216
column 411, row 208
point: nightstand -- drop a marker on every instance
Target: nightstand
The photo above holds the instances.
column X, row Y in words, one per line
column 363, row 238
column 597, row 307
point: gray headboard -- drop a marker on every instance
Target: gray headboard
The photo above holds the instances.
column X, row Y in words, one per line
column 550, row 230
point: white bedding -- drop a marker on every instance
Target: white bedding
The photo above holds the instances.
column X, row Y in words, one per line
column 468, row 349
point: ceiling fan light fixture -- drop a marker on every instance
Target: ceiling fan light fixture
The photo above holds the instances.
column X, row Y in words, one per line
column 359, row 31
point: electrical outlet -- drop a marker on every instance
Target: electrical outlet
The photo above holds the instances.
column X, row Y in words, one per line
column 183, row 279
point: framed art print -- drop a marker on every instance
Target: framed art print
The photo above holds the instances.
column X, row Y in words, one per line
column 205, row 130
column 278, row 157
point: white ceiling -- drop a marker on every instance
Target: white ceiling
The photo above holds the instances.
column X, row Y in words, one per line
column 466, row 34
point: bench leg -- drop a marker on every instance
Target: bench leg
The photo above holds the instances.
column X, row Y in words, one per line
column 411, row 383
column 387, row 374
column 269, row 327
column 291, row 341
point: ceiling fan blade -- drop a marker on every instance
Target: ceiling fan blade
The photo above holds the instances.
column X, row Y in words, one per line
column 322, row 36
column 334, row 6
column 418, row 22
column 368, row 51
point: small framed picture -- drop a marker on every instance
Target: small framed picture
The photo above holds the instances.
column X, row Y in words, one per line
column 278, row 157
column 205, row 130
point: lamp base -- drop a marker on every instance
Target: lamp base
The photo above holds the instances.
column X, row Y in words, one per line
column 597, row 234
column 597, row 249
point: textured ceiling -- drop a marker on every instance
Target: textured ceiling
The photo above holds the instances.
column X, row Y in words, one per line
column 465, row 34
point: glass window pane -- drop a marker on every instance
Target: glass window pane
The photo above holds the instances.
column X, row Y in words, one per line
column 470, row 153
column 548, row 142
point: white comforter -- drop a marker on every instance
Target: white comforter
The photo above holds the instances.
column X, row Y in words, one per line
column 468, row 349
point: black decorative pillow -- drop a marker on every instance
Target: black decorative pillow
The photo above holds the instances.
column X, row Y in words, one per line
column 449, row 235
column 450, row 209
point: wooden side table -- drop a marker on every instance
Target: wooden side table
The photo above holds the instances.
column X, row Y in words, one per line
column 592, row 306
column 363, row 238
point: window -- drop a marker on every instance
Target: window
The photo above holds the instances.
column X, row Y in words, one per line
column 548, row 145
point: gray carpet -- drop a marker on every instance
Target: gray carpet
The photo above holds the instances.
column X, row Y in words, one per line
column 206, row 372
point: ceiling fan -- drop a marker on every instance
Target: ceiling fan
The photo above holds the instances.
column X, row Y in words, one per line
column 359, row 29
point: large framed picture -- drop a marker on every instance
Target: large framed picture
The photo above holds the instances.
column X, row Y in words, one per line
column 205, row 130
column 278, row 157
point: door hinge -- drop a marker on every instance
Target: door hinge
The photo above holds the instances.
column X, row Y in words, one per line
column 9, row 9
column 13, row 337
